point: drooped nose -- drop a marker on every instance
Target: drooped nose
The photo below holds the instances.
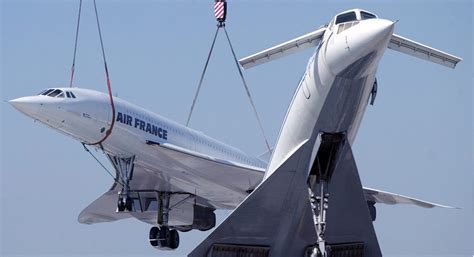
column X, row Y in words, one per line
column 373, row 33
column 28, row 105
column 360, row 46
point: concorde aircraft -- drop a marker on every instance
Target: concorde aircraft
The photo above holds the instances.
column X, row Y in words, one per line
column 174, row 177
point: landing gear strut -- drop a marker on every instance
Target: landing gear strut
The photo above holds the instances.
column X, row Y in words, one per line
column 319, row 206
column 124, row 169
column 324, row 164
column 162, row 236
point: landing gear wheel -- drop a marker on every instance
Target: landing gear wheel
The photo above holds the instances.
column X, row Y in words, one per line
column 120, row 204
column 128, row 204
column 164, row 237
column 154, row 231
column 174, row 239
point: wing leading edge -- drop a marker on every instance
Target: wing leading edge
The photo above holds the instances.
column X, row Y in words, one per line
column 289, row 47
column 379, row 196
column 410, row 47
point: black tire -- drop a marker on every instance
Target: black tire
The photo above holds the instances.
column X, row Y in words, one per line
column 129, row 205
column 120, row 205
column 153, row 237
column 174, row 239
column 164, row 237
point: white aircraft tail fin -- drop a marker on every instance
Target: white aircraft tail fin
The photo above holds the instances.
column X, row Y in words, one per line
column 311, row 39
column 410, row 47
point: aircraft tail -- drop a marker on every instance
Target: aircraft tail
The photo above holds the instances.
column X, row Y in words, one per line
column 276, row 218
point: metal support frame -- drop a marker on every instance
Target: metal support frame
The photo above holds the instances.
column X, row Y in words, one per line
column 319, row 206
column 163, row 199
column 325, row 162
column 124, row 169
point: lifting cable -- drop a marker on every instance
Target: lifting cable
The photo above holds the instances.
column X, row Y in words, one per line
column 220, row 9
column 109, row 88
column 102, row 165
column 202, row 77
column 75, row 43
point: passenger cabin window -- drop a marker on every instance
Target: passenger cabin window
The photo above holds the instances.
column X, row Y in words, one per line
column 366, row 16
column 345, row 17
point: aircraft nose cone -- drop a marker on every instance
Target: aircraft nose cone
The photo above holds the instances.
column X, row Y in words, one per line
column 371, row 35
column 381, row 29
column 359, row 47
column 27, row 105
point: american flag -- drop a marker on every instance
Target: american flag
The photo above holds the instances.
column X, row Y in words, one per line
column 219, row 10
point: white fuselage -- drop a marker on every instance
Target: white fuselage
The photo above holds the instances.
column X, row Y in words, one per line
column 331, row 97
column 335, row 89
column 87, row 117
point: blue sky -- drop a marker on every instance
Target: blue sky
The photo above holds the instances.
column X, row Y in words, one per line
column 417, row 140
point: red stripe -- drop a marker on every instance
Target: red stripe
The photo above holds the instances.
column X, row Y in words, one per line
column 220, row 14
column 109, row 88
column 219, row 9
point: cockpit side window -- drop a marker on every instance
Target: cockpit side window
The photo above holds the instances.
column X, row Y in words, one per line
column 61, row 95
column 68, row 94
column 345, row 17
column 366, row 16
column 72, row 94
column 47, row 91
column 55, row 93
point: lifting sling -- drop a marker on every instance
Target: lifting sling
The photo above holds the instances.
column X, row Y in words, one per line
column 109, row 87
column 220, row 10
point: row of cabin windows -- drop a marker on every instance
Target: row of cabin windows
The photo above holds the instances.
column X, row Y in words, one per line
column 238, row 156
column 182, row 133
column 57, row 93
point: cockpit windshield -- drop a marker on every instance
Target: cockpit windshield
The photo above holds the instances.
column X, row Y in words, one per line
column 345, row 17
column 349, row 19
column 53, row 92
column 45, row 92
column 366, row 15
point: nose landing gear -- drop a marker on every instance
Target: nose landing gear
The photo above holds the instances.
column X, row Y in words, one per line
column 124, row 169
column 124, row 203
column 160, row 236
